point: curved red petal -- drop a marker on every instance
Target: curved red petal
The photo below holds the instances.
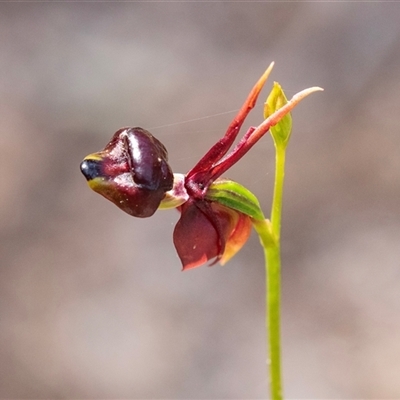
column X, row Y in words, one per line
column 209, row 230
column 195, row 238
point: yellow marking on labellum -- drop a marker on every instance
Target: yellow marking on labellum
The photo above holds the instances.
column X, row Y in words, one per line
column 93, row 156
column 97, row 182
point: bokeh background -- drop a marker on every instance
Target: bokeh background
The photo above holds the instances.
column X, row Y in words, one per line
column 93, row 303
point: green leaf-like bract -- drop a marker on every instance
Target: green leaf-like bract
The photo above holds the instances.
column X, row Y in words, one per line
column 233, row 195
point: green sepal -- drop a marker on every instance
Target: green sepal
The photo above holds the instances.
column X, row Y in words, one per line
column 233, row 195
column 281, row 131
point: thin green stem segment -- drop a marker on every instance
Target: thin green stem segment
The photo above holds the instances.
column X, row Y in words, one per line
column 276, row 211
column 269, row 233
column 273, row 306
column 273, row 275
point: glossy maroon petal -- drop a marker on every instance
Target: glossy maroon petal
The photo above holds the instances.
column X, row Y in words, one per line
column 195, row 238
column 208, row 231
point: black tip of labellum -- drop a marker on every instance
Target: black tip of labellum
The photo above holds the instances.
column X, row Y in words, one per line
column 91, row 168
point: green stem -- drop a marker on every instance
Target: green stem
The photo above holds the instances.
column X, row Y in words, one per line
column 273, row 288
column 276, row 211
column 269, row 233
column 273, row 275
column 272, row 309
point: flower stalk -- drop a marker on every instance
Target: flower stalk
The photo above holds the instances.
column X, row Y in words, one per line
column 273, row 279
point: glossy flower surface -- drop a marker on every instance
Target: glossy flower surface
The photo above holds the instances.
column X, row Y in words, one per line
column 132, row 171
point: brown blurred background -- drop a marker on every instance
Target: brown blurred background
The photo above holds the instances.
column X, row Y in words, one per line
column 93, row 303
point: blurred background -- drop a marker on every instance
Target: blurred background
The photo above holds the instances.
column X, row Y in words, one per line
column 93, row 303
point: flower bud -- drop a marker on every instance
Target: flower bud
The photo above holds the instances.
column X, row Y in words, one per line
column 276, row 100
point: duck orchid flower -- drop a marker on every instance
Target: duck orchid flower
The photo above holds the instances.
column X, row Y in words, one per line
column 216, row 214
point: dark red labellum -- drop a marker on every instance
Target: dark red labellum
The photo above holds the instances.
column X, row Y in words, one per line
column 132, row 171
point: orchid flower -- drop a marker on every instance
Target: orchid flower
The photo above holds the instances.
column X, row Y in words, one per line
column 216, row 214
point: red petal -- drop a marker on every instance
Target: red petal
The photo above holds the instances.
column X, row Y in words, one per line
column 207, row 231
column 202, row 172
column 195, row 238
